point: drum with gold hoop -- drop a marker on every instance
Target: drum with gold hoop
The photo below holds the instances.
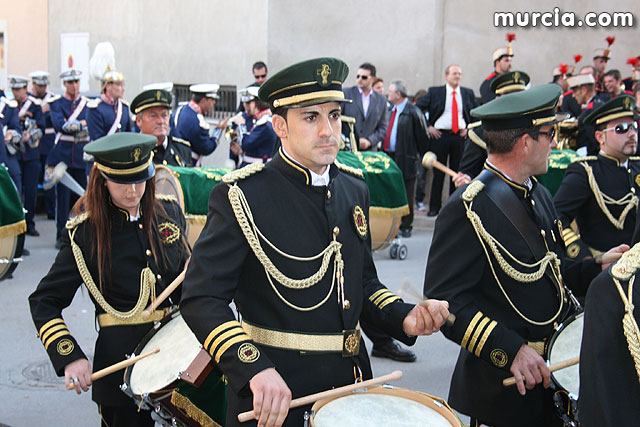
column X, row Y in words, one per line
column 12, row 225
column 384, row 406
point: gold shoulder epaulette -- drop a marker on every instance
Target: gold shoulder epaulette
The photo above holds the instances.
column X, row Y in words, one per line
column 182, row 141
column 474, row 124
column 628, row 264
column 167, row 198
column 347, row 119
column 472, row 190
column 53, row 98
column 476, row 139
column 584, row 159
column 77, row 220
column 93, row 103
column 242, row 173
column 349, row 169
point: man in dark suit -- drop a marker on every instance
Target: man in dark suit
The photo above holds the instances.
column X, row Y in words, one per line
column 501, row 64
column 368, row 108
column 448, row 107
column 406, row 141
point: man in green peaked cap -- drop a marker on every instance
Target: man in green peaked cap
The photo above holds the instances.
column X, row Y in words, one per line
column 601, row 192
column 497, row 256
column 289, row 243
column 153, row 113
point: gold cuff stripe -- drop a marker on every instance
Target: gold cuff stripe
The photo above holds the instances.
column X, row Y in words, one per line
column 477, row 333
column 382, row 297
column 470, row 328
column 485, row 336
column 376, row 293
column 388, row 301
column 112, row 171
column 570, row 240
column 53, row 330
column 312, row 96
column 225, row 346
column 225, row 336
column 568, row 232
column 55, row 337
column 49, row 324
column 219, row 329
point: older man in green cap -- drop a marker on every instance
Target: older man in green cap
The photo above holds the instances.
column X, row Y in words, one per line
column 601, row 192
column 496, row 257
column 289, row 243
column 153, row 113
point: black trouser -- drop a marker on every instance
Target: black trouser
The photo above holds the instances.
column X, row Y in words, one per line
column 420, row 183
column 449, row 147
column 127, row 416
column 410, row 188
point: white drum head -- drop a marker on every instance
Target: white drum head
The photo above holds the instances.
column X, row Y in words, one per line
column 394, row 407
column 178, row 347
column 566, row 346
column 168, row 184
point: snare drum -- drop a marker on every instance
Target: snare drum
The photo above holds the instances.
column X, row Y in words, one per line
column 563, row 345
column 384, row 406
column 154, row 382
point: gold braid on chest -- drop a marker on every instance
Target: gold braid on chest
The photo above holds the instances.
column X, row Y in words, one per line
column 147, row 285
column 629, row 201
column 254, row 237
column 508, row 263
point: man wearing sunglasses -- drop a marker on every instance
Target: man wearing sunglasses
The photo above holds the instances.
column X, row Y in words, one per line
column 368, row 108
column 601, row 192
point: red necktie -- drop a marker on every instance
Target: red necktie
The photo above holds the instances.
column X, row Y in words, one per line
column 387, row 139
column 454, row 114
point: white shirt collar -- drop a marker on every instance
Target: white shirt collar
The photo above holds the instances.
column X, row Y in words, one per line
column 135, row 218
column 316, row 180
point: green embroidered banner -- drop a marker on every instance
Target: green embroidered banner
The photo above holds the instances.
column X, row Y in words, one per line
column 197, row 184
column 558, row 162
column 383, row 177
column 11, row 214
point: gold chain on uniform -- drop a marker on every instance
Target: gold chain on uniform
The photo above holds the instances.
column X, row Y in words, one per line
column 244, row 216
column 147, row 286
column 630, row 200
column 485, row 238
column 629, row 325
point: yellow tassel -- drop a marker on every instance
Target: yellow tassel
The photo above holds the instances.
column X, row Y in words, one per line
column 13, row 229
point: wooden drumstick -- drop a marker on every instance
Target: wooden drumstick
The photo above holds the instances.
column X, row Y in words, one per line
column 336, row 392
column 555, row 367
column 164, row 295
column 408, row 291
column 430, row 161
column 116, row 367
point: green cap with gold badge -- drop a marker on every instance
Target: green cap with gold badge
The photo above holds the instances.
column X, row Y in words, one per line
column 310, row 82
column 151, row 98
column 124, row 157
column 529, row 108
column 620, row 106
column 513, row 81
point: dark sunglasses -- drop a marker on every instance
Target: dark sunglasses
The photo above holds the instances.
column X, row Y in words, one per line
column 73, row 81
column 623, row 128
column 362, row 77
column 260, row 76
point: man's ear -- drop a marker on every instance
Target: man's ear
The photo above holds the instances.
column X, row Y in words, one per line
column 600, row 137
column 524, row 143
column 279, row 126
column 139, row 119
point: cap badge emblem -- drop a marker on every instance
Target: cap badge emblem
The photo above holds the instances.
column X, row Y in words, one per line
column 137, row 152
column 324, row 72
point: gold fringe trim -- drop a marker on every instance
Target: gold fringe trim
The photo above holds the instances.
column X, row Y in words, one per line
column 196, row 219
column 388, row 212
column 13, row 229
column 195, row 413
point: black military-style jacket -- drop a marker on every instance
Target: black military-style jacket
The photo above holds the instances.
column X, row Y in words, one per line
column 298, row 219
column 576, row 199
column 487, row 327
column 177, row 153
column 475, row 152
column 609, row 381
column 130, row 253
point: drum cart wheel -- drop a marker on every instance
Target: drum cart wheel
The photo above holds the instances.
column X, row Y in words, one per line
column 393, row 251
column 402, row 252
column 397, row 250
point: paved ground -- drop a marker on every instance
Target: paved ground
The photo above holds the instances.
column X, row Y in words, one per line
column 31, row 394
